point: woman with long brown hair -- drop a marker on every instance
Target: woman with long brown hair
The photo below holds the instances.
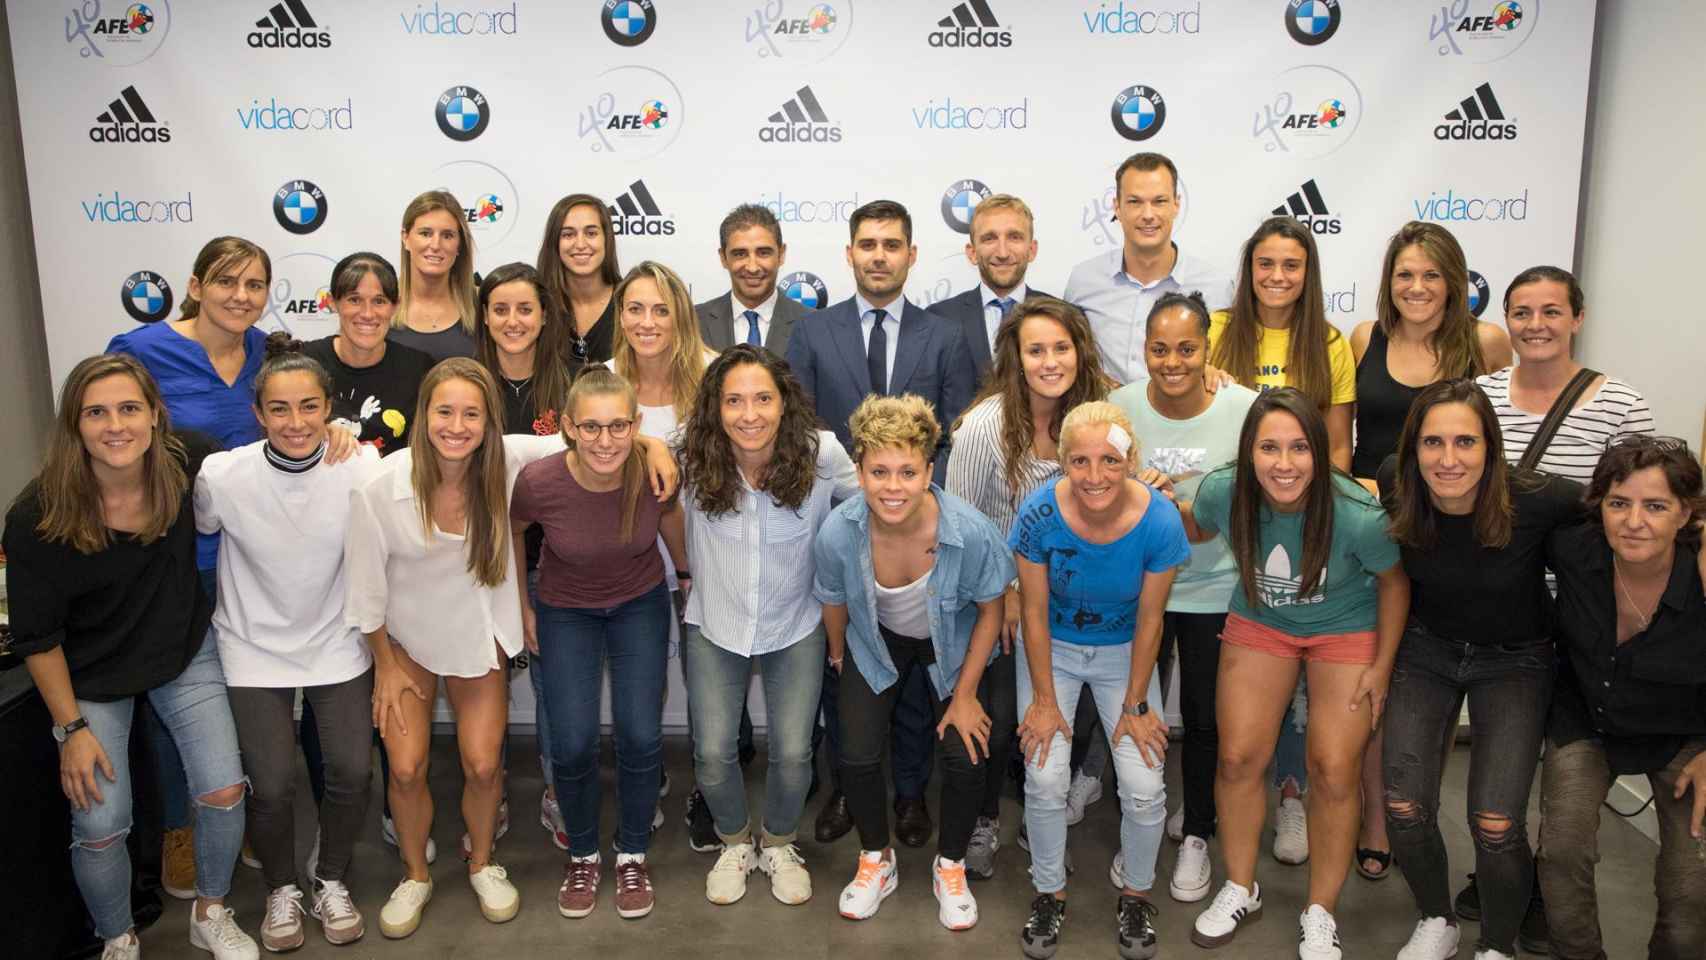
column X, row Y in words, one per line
column 107, row 607
column 435, row 304
column 577, row 265
column 431, row 581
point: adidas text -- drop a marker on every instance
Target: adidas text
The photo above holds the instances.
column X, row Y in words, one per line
column 130, row 133
column 288, row 39
column 1475, row 130
column 640, row 226
column 962, row 37
column 800, row 133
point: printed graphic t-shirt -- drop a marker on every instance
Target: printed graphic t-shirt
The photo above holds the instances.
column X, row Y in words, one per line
column 1274, row 348
column 1345, row 600
column 1093, row 588
column 379, row 399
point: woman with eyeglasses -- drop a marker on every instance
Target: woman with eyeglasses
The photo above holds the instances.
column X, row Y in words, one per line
column 602, row 596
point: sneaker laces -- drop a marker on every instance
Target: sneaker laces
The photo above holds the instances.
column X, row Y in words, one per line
column 1318, row 926
column 732, row 859
column 984, row 834
column 221, row 924
column 1229, row 900
column 334, row 902
column 413, row 892
column 868, row 872
column 1044, row 920
column 581, row 876
column 119, row 947
column 631, row 877
column 490, row 872
column 951, row 874
column 1136, row 913
column 786, row 853
column 284, row 906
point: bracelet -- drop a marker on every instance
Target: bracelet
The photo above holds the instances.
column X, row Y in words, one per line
column 683, row 575
column 836, row 661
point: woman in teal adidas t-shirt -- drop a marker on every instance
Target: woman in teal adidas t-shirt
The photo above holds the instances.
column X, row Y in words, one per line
column 1320, row 583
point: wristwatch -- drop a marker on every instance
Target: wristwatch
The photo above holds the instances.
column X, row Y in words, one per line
column 1138, row 709
column 61, row 733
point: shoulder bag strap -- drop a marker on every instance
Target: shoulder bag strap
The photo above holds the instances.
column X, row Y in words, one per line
column 1561, row 408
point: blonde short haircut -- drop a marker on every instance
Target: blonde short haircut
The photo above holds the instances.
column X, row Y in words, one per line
column 906, row 422
column 1097, row 413
column 1003, row 201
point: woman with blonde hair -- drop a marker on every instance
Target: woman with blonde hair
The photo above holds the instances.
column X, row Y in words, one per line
column 431, row 580
column 660, row 350
column 435, row 303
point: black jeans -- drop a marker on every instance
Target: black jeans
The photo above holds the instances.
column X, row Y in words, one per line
column 865, row 736
column 1003, row 706
column 1509, row 688
column 912, row 751
column 1197, row 636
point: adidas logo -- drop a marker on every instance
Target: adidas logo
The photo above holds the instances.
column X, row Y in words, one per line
column 128, row 120
column 1277, row 585
column 1478, row 117
column 801, row 120
column 636, row 214
column 1308, row 207
column 288, row 25
column 971, row 24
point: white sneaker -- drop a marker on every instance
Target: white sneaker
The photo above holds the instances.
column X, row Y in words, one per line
column 339, row 920
column 1191, row 872
column 1291, row 832
column 388, row 833
column 657, row 818
column 498, row 899
column 551, row 818
column 956, row 908
column 1233, row 906
column 1318, row 935
column 1083, row 792
column 663, row 785
column 127, row 947
column 1433, row 939
column 1176, row 825
column 789, row 881
column 498, row 834
column 402, row 912
column 1479, row 955
column 282, row 929
column 878, row 877
column 1116, row 870
column 726, row 883
column 220, row 935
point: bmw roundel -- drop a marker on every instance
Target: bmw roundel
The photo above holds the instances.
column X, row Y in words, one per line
column 1478, row 293
column 1312, row 22
column 462, row 113
column 146, row 296
column 628, row 22
column 805, row 289
column 299, row 206
column 960, row 201
column 1138, row 112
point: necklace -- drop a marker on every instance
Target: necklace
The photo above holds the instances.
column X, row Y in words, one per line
column 1617, row 575
column 516, row 386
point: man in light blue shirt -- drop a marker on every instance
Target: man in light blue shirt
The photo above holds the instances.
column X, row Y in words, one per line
column 1116, row 289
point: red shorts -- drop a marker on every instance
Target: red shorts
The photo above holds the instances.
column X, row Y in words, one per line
column 1355, row 648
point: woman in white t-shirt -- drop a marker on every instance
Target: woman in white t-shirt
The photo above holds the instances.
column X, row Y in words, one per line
column 283, row 511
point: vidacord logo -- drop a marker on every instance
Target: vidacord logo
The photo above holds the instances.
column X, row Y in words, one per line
column 637, row 214
column 441, row 21
column 1451, row 207
column 1139, row 20
column 1307, row 206
column 118, row 209
column 1478, row 117
column 146, row 296
column 800, row 120
column 971, row 24
column 274, row 116
column 289, row 25
column 805, row 289
column 128, row 120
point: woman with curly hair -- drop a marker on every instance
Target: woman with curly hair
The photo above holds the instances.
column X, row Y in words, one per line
column 760, row 479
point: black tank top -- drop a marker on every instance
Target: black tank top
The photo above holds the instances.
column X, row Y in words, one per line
column 1382, row 405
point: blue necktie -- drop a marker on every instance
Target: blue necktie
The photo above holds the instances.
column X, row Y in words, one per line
column 752, row 336
column 877, row 354
column 1005, row 303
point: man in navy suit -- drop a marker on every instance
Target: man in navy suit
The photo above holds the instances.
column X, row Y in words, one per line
column 1002, row 245
column 753, row 311
column 878, row 342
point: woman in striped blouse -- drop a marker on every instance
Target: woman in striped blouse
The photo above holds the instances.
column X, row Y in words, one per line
column 1005, row 447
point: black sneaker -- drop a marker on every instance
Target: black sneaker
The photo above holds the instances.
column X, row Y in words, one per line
column 1468, row 902
column 1040, row 937
column 701, row 829
column 1136, row 928
column 1533, row 935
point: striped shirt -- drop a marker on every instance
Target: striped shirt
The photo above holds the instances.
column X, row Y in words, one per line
column 977, row 468
column 1617, row 410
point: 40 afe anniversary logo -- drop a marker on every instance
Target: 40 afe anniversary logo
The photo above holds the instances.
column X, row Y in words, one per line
column 118, row 34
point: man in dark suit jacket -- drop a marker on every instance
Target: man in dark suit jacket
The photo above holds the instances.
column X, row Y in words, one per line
column 1001, row 246
column 754, row 310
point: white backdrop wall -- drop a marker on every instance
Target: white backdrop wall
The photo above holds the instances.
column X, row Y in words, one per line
column 228, row 115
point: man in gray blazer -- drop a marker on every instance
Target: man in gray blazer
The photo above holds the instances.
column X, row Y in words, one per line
column 1002, row 245
column 753, row 311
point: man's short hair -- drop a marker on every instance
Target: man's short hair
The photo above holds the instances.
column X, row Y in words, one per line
column 1144, row 163
column 880, row 210
column 744, row 216
column 1003, row 201
column 904, row 422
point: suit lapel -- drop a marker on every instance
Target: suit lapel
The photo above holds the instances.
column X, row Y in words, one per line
column 781, row 322
column 914, row 334
column 972, row 325
column 721, row 321
column 851, row 339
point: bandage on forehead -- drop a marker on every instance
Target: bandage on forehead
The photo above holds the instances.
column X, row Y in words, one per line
column 1119, row 439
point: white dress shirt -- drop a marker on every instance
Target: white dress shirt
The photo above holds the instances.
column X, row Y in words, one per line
column 1117, row 304
column 737, row 314
column 753, row 567
column 418, row 587
column 891, row 328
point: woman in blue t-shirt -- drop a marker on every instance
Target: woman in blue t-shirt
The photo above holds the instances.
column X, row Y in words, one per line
column 1088, row 620
column 1320, row 583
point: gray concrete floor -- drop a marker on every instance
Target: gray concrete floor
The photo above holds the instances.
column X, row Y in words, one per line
column 1374, row 919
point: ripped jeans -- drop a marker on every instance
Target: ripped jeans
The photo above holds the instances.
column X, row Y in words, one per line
column 197, row 714
column 1509, row 688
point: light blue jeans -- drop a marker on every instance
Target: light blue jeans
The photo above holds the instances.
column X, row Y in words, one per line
column 1142, row 788
column 1290, row 757
column 716, row 694
column 197, row 714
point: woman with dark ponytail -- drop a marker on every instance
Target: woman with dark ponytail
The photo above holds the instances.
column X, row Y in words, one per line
column 283, row 512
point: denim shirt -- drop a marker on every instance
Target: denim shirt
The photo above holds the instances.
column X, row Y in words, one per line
column 973, row 565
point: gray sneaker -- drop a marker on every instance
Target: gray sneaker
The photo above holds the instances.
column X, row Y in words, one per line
column 980, row 852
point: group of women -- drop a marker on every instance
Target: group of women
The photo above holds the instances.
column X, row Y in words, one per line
column 471, row 471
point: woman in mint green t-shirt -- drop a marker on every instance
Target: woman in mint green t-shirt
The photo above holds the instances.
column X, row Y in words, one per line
column 1320, row 588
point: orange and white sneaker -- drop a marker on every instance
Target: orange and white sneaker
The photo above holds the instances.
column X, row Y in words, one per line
column 878, row 877
column 956, row 908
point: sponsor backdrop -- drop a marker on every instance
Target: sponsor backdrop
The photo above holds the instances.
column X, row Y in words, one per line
column 306, row 125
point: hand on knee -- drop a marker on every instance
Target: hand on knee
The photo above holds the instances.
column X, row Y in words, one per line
column 224, row 798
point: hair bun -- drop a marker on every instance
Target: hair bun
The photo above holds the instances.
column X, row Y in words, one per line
column 281, row 344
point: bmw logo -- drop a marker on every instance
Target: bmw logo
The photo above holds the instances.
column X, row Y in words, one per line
column 1478, row 293
column 1312, row 22
column 299, row 206
column 1138, row 112
column 463, row 113
column 805, row 289
column 960, row 200
column 146, row 296
column 629, row 22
